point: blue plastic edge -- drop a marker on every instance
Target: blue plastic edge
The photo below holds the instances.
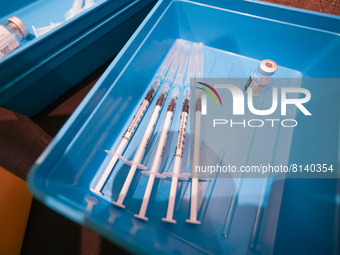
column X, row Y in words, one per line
column 64, row 206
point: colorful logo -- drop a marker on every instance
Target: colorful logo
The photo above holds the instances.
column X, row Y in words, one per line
column 209, row 93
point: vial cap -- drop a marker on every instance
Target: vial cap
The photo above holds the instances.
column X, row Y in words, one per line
column 267, row 67
column 20, row 24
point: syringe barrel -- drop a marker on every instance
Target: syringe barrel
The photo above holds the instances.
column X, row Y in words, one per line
column 165, row 88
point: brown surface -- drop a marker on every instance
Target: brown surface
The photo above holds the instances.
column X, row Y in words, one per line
column 23, row 139
column 15, row 200
column 327, row 6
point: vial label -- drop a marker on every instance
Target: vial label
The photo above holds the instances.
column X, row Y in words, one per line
column 7, row 42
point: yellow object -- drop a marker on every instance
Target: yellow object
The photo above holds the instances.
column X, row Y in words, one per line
column 15, row 204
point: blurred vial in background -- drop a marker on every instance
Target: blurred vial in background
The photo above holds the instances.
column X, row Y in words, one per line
column 11, row 34
column 260, row 78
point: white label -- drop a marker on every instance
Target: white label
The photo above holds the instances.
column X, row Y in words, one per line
column 8, row 42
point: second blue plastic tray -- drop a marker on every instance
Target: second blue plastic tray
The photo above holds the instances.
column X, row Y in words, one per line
column 44, row 68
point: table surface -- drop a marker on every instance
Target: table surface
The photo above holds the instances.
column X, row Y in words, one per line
column 23, row 139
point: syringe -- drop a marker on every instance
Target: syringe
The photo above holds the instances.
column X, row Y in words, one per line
column 178, row 157
column 136, row 162
column 137, row 118
column 197, row 140
column 153, row 173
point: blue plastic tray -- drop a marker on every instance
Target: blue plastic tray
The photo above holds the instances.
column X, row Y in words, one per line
column 43, row 68
column 236, row 35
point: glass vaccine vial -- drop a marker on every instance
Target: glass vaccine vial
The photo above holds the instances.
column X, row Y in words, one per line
column 260, row 78
column 11, row 34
